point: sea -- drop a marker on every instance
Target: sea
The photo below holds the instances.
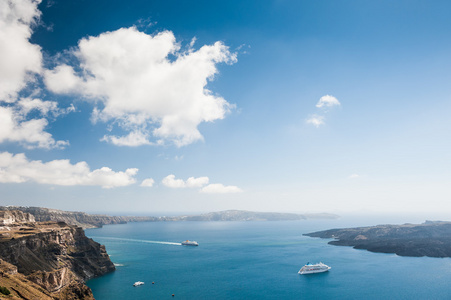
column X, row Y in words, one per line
column 256, row 260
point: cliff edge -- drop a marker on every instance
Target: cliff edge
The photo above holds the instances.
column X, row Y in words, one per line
column 48, row 260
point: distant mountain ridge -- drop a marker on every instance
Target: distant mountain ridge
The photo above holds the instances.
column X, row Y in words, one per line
column 432, row 238
column 243, row 215
column 97, row 220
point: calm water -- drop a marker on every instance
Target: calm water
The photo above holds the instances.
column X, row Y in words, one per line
column 256, row 260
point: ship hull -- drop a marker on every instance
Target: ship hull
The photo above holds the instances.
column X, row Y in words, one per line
column 313, row 271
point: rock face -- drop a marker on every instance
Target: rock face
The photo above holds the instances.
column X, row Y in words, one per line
column 70, row 217
column 431, row 239
column 54, row 256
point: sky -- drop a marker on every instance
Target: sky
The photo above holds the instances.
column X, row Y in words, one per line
column 155, row 107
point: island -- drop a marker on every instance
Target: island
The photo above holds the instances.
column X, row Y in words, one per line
column 432, row 238
column 85, row 220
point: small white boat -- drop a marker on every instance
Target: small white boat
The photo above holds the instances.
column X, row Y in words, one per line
column 190, row 243
column 316, row 268
column 138, row 283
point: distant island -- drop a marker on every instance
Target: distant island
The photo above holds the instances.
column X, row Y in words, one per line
column 432, row 238
column 95, row 220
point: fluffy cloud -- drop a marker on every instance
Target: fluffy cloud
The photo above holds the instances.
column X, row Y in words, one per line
column 17, row 168
column 217, row 188
column 200, row 182
column 134, row 138
column 191, row 182
column 196, row 182
column 19, row 59
column 316, row 120
column 146, row 84
column 327, row 101
column 20, row 63
column 28, row 132
column 45, row 108
column 149, row 182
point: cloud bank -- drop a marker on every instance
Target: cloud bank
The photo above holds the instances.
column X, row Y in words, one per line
column 19, row 59
column 146, row 84
column 20, row 65
column 17, row 169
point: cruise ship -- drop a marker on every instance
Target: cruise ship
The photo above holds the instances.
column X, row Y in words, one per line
column 138, row 283
column 190, row 243
column 316, row 268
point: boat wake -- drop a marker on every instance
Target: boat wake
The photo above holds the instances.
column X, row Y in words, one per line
column 136, row 240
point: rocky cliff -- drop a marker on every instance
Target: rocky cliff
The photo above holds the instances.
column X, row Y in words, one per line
column 70, row 217
column 51, row 258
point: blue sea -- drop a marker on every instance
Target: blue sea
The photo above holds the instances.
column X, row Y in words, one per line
column 256, row 260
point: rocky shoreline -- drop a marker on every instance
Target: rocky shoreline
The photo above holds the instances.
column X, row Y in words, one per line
column 432, row 239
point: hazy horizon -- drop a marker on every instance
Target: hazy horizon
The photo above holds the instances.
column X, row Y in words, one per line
column 287, row 106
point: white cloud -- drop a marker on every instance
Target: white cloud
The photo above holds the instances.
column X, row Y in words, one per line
column 327, row 101
column 149, row 182
column 217, row 188
column 196, row 182
column 324, row 102
column 353, row 176
column 17, row 168
column 316, row 120
column 191, row 182
column 27, row 105
column 30, row 133
column 20, row 63
column 19, row 59
column 146, row 81
column 133, row 139
column 44, row 107
column 171, row 182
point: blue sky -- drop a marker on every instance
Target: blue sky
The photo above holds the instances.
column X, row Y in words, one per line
column 160, row 106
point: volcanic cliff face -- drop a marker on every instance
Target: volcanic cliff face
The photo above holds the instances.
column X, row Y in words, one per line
column 54, row 256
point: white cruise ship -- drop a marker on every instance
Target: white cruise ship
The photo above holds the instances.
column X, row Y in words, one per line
column 138, row 283
column 316, row 268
